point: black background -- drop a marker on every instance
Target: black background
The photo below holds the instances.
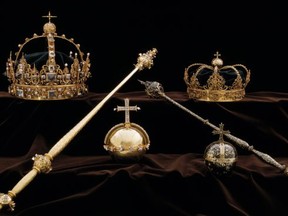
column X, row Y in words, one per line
column 184, row 32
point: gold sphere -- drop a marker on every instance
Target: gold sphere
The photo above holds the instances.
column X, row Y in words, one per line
column 49, row 28
column 217, row 62
column 127, row 142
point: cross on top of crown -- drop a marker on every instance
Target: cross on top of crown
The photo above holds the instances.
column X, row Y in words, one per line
column 49, row 16
column 217, row 54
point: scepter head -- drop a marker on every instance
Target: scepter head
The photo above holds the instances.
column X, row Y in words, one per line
column 153, row 89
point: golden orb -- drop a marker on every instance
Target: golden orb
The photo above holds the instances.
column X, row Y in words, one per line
column 49, row 28
column 127, row 142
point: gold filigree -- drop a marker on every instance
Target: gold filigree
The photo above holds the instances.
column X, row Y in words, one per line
column 214, row 83
column 42, row 163
column 50, row 80
column 145, row 60
column 6, row 201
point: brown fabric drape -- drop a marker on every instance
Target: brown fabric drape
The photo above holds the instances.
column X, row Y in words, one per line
column 171, row 179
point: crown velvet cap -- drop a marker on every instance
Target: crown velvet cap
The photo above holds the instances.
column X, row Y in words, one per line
column 52, row 74
column 216, row 82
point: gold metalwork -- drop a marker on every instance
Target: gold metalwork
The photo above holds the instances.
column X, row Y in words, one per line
column 6, row 201
column 145, row 60
column 220, row 156
column 52, row 80
column 156, row 90
column 42, row 164
column 127, row 141
column 216, row 84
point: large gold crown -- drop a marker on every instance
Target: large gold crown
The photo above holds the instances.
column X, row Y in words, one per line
column 217, row 82
column 49, row 74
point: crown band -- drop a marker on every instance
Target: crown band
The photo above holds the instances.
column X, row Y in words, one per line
column 216, row 95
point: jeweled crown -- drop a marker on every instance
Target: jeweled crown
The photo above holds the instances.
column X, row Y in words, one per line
column 50, row 74
column 216, row 82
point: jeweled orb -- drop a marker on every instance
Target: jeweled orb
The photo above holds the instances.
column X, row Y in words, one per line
column 220, row 158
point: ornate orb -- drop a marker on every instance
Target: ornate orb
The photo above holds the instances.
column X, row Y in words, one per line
column 217, row 62
column 220, row 157
column 126, row 142
column 49, row 28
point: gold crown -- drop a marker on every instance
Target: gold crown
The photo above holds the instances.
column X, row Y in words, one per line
column 59, row 77
column 217, row 82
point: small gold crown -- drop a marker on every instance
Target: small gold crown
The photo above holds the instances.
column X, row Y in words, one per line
column 217, row 82
column 48, row 75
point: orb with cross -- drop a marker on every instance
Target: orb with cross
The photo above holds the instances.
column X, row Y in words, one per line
column 220, row 156
column 127, row 141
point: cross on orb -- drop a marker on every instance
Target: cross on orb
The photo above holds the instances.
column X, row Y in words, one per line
column 127, row 110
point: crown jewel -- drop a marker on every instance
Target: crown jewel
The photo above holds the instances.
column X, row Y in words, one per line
column 48, row 75
column 127, row 141
column 217, row 82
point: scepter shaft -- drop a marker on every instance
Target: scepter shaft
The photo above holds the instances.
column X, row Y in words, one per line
column 65, row 140
column 42, row 163
column 155, row 89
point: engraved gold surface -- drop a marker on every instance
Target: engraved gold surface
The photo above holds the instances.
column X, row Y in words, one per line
column 213, row 82
column 127, row 142
column 42, row 163
column 54, row 80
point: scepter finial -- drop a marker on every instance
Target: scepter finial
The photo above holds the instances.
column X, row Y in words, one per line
column 153, row 89
column 145, row 60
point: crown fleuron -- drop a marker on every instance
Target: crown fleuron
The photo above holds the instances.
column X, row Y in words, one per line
column 216, row 82
column 49, row 74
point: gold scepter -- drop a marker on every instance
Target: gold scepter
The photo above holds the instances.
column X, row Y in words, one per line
column 42, row 163
column 156, row 90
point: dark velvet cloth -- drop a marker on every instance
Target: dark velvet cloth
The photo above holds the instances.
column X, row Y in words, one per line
column 170, row 179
